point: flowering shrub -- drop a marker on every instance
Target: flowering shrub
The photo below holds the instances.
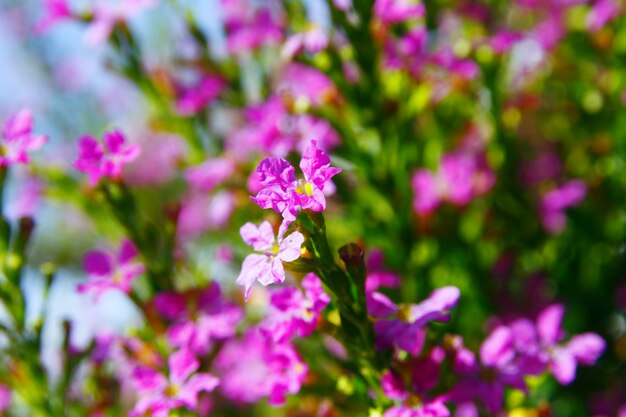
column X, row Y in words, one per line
column 453, row 246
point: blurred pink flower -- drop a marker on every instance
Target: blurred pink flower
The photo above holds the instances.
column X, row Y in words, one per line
column 18, row 139
column 105, row 160
column 158, row 394
column 108, row 271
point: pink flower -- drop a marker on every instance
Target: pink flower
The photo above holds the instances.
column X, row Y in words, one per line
column 459, row 179
column 105, row 160
column 5, row 398
column 199, row 319
column 108, row 271
column 312, row 40
column 554, row 203
column 602, row 12
column 397, row 11
column 255, row 367
column 18, row 140
column 287, row 196
column 191, row 100
column 304, row 83
column 540, row 345
column 158, row 394
column 107, row 14
column 266, row 266
column 293, row 312
column 55, row 11
column 210, row 174
column 249, row 27
column 404, row 326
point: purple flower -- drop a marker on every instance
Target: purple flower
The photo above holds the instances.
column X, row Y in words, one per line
column 266, row 266
column 540, row 346
column 105, row 160
column 312, row 40
column 191, row 100
column 210, row 174
column 55, row 11
column 18, row 140
column 107, row 14
column 287, row 196
column 416, row 402
column 108, row 271
column 5, row 398
column 199, row 318
column 398, row 11
column 554, row 203
column 255, row 367
column 500, row 369
column 602, row 12
column 403, row 326
column 249, row 27
column 304, row 84
column 158, row 394
column 293, row 312
column 459, row 179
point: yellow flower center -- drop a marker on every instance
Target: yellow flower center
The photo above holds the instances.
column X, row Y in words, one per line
column 305, row 188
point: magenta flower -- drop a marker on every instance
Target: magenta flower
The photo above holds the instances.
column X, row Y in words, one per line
column 255, row 367
column 541, row 348
column 312, row 40
column 304, row 84
column 107, row 14
column 158, row 394
column 18, row 140
column 459, row 179
column 199, row 319
column 108, row 271
column 292, row 312
column 601, row 13
column 554, row 203
column 287, row 196
column 210, row 174
column 55, row 11
column 5, row 398
column 398, row 11
column 266, row 266
column 416, row 402
column 500, row 369
column 249, row 27
column 404, row 326
column 105, row 160
column 191, row 100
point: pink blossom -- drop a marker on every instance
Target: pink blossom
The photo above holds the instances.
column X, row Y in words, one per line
column 55, row 11
column 201, row 212
column 105, row 160
column 459, row 179
column 5, row 398
column 107, row 14
column 191, row 100
column 397, row 11
column 404, row 326
column 158, row 394
column 266, row 266
column 602, row 12
column 254, row 367
column 157, row 150
column 301, row 82
column 312, row 40
column 108, row 271
column 541, row 348
column 18, row 140
column 210, row 174
column 249, row 27
column 199, row 319
column 286, row 195
column 294, row 312
column 554, row 203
